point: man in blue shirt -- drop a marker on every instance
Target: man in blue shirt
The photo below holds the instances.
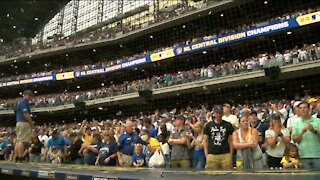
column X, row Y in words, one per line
column 126, row 143
column 56, row 141
column 24, row 125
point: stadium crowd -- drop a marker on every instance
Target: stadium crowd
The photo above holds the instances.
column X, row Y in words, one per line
column 276, row 134
column 54, row 69
column 296, row 55
column 24, row 47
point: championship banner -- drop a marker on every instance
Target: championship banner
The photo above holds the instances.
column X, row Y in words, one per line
column 162, row 55
column 65, row 76
column 308, row 18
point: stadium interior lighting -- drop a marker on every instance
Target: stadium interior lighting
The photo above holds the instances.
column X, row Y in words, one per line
column 94, row 50
column 204, row 52
column 102, row 84
column 151, row 37
column 35, row 92
column 184, row 26
column 36, row 19
column 100, row 108
column 8, row 15
column 28, row 62
column 78, row 87
column 221, row 15
column 289, row 32
column 13, row 27
column 265, row 2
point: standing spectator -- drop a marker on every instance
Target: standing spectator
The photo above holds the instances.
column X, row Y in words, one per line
column 180, row 157
column 254, row 122
column 199, row 158
column 313, row 52
column 277, row 138
column 148, row 124
column 246, row 141
column 217, row 142
column 24, row 125
column 43, row 137
column 295, row 117
column 306, row 133
column 126, row 143
column 74, row 151
column 165, row 120
column 227, row 116
column 317, row 110
column 56, row 141
column 35, row 150
column 91, row 152
column 280, row 110
column 107, row 151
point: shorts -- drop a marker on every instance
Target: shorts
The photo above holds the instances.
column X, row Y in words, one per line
column 24, row 134
column 219, row 162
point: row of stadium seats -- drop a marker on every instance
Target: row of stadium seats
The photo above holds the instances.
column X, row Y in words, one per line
column 106, row 63
column 263, row 61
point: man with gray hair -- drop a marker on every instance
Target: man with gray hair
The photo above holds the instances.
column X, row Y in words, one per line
column 126, row 144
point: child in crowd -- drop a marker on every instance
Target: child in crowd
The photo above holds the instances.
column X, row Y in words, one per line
column 55, row 156
column 138, row 159
column 291, row 158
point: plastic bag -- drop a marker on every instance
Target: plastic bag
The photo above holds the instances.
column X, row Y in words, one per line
column 157, row 159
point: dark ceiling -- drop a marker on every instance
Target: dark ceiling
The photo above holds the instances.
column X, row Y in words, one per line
column 24, row 18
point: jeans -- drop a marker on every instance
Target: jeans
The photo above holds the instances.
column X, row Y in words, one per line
column 199, row 163
column 34, row 158
column 311, row 163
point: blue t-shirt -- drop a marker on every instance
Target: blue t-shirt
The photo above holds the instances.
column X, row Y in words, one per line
column 153, row 133
column 22, row 107
column 59, row 143
column 139, row 158
column 105, row 151
column 126, row 142
column 91, row 157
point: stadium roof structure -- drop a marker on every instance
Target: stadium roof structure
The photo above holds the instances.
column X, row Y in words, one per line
column 24, row 18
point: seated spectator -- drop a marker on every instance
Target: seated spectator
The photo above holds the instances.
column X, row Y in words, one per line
column 277, row 137
column 138, row 159
column 35, row 150
column 180, row 155
column 217, row 139
column 291, row 158
column 76, row 156
column 107, row 150
column 91, row 152
column 246, row 141
column 306, row 133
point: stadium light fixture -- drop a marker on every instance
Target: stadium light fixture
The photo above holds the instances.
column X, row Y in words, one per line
column 35, row 92
column 265, row 2
column 221, row 15
column 78, row 87
column 204, row 52
column 1, row 40
column 289, row 32
column 13, row 27
column 102, row 84
column 36, row 19
column 8, row 15
column 184, row 26
column 15, row 61
column 151, row 37
column 94, row 50
column 28, row 62
column 100, row 108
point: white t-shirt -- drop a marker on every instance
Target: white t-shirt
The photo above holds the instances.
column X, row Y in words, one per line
column 292, row 120
column 278, row 150
column 231, row 119
column 43, row 139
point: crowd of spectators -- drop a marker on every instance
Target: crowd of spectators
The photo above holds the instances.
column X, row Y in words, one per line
column 266, row 60
column 107, row 63
column 276, row 134
column 25, row 46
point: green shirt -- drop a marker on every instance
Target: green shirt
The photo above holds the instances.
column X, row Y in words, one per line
column 309, row 146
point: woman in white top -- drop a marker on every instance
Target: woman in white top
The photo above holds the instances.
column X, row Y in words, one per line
column 246, row 141
column 277, row 136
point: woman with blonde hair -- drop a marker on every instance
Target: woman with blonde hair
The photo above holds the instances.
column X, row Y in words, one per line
column 246, row 141
column 199, row 158
column 277, row 137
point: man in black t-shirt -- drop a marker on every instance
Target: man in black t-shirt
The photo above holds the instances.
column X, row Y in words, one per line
column 217, row 142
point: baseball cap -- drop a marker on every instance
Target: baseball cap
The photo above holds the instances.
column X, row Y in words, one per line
column 165, row 116
column 312, row 100
column 296, row 104
column 28, row 92
column 217, row 108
